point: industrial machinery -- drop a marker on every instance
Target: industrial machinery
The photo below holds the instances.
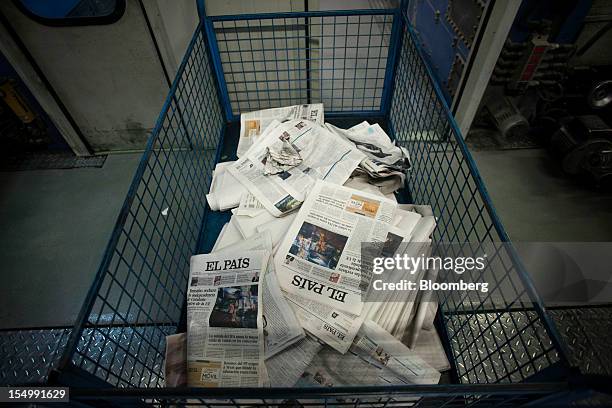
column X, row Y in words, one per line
column 20, row 128
column 552, row 87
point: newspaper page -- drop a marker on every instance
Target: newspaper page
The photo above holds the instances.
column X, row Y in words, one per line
column 325, row 156
column 386, row 163
column 429, row 347
column 422, row 314
column 281, row 326
column 375, row 358
column 277, row 228
column 374, row 141
column 225, row 342
column 332, row 326
column 230, row 234
column 175, row 363
column 320, row 256
column 225, row 191
column 286, row 367
column 249, row 206
column 253, row 124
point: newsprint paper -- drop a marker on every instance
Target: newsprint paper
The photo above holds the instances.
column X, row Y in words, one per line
column 253, row 124
column 281, row 327
column 225, row 342
column 320, row 257
column 325, row 156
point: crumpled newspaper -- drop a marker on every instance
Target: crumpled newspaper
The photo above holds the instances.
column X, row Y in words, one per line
column 377, row 145
column 386, row 163
column 281, row 156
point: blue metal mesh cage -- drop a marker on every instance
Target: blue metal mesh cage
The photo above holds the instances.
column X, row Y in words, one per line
column 360, row 64
column 340, row 60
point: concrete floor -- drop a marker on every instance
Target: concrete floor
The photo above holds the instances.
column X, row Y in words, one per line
column 537, row 203
column 54, row 226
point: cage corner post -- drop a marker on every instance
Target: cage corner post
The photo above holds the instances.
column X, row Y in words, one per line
column 395, row 46
column 215, row 57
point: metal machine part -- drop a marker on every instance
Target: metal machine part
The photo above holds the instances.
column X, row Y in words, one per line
column 15, row 102
column 506, row 117
column 600, row 95
column 534, row 63
column 454, row 76
column 464, row 16
column 584, row 146
column 20, row 128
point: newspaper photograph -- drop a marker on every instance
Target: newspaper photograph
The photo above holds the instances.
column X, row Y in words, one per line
column 253, row 124
column 320, row 256
column 280, row 325
column 225, row 341
column 284, row 191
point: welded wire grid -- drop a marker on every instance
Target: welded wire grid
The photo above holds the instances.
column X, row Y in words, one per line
column 508, row 400
column 139, row 296
column 407, row 396
column 141, row 290
column 496, row 336
column 339, row 60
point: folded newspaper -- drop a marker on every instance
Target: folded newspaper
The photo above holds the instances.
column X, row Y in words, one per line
column 284, row 369
column 253, row 124
column 386, row 163
column 325, row 156
column 320, row 257
column 280, row 326
column 225, row 340
column 375, row 358
column 304, row 196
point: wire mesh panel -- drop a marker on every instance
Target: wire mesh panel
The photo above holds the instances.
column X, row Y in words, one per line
column 482, row 395
column 340, row 60
column 139, row 293
column 499, row 336
column 345, row 60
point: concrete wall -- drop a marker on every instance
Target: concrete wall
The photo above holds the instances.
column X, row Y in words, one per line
column 109, row 76
column 220, row 7
column 111, row 79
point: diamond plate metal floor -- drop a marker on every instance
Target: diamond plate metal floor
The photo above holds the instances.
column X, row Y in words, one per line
column 587, row 332
column 47, row 161
column 27, row 356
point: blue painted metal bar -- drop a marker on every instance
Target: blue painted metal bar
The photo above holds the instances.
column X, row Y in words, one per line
column 83, row 315
column 497, row 224
column 201, row 6
column 394, row 49
column 218, row 67
column 357, row 114
column 144, row 242
column 301, row 14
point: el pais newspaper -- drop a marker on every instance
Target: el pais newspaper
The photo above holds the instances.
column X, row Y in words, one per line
column 225, row 343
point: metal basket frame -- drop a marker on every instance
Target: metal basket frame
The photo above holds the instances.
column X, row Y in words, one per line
column 137, row 297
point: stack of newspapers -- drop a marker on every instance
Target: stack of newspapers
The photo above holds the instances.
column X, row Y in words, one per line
column 285, row 297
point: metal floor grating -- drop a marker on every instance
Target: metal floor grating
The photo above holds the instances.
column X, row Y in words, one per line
column 50, row 161
column 29, row 355
column 587, row 332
